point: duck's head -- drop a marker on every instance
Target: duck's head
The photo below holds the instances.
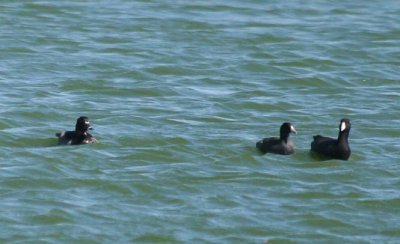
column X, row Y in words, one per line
column 286, row 129
column 82, row 125
column 344, row 125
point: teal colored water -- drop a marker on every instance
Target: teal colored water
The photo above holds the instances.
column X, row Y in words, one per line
column 178, row 93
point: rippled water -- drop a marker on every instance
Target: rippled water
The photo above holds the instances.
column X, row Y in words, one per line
column 178, row 93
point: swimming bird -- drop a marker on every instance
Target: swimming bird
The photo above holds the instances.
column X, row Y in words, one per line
column 282, row 145
column 334, row 148
column 79, row 136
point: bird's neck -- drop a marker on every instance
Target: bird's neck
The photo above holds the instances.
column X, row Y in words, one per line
column 284, row 137
column 82, row 133
column 343, row 137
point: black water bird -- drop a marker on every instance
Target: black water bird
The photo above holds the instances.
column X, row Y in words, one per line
column 332, row 148
column 282, row 145
column 79, row 136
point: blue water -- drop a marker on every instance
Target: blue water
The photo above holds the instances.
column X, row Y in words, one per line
column 178, row 94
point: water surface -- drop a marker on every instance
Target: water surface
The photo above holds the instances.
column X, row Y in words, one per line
column 178, row 94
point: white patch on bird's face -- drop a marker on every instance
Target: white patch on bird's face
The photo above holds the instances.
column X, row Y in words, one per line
column 342, row 126
column 292, row 129
column 87, row 122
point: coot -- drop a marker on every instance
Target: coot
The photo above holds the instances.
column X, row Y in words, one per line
column 282, row 145
column 334, row 148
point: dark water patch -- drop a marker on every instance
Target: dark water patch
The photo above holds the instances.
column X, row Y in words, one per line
column 279, row 240
column 119, row 50
column 15, row 50
column 194, row 27
column 104, row 87
column 32, row 142
column 53, row 217
column 313, row 195
column 383, row 204
column 342, row 11
column 53, row 42
column 101, row 185
column 168, row 70
column 111, row 40
column 266, row 39
column 319, row 64
column 42, row 7
column 391, row 233
column 26, row 183
column 155, row 238
column 309, row 83
column 262, row 55
column 218, row 8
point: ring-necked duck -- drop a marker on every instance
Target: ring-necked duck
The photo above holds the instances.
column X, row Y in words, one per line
column 79, row 136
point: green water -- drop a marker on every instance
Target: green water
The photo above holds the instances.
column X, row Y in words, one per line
column 178, row 93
